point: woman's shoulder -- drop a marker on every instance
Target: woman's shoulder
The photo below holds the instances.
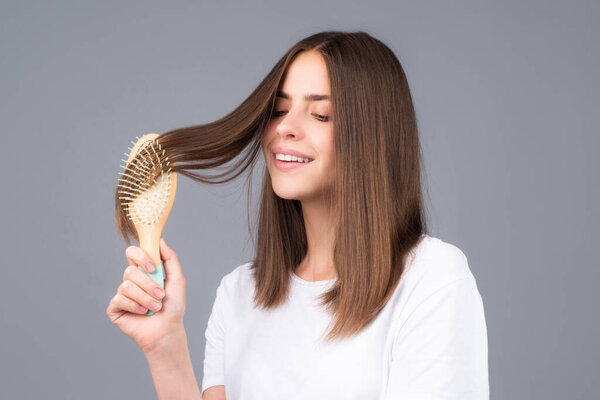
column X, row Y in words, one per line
column 434, row 266
column 237, row 278
column 435, row 263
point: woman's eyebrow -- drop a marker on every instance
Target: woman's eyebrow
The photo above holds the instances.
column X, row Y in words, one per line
column 307, row 97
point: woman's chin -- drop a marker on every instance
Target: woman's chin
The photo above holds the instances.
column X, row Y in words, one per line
column 293, row 191
column 290, row 193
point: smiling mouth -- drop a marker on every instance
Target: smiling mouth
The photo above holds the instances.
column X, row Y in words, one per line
column 283, row 165
column 303, row 158
column 297, row 162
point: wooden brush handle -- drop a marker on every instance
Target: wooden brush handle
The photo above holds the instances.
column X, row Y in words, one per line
column 149, row 235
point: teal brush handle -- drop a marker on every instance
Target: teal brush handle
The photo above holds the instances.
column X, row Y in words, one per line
column 157, row 276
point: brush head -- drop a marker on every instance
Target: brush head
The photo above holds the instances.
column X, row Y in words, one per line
column 147, row 183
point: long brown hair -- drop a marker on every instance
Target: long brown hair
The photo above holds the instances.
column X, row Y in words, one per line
column 377, row 198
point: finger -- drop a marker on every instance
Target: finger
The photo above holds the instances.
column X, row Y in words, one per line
column 137, row 256
column 120, row 302
column 170, row 262
column 141, row 279
column 139, row 296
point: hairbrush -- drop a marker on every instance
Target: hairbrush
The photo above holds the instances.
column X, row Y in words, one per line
column 146, row 190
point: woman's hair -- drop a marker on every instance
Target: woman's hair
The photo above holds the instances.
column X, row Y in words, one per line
column 377, row 200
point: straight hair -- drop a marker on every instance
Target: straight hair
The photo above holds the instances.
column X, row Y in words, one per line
column 377, row 195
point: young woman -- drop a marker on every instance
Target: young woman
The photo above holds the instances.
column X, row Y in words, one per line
column 348, row 297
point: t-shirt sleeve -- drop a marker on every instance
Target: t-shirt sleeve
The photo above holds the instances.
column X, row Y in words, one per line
column 440, row 351
column 214, row 353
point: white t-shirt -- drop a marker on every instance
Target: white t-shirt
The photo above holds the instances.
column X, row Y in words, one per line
column 428, row 342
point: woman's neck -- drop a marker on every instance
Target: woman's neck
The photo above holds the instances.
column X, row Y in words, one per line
column 318, row 263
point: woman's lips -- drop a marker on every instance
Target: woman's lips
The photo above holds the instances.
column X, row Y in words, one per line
column 287, row 165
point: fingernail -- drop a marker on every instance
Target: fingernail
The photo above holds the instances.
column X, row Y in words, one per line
column 150, row 266
column 158, row 293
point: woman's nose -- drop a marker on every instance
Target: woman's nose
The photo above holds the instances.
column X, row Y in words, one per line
column 290, row 124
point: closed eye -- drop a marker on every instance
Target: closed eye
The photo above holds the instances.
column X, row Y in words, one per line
column 320, row 117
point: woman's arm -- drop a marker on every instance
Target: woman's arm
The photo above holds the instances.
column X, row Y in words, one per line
column 172, row 370
column 216, row 392
column 441, row 350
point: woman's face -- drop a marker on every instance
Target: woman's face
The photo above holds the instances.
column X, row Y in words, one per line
column 302, row 125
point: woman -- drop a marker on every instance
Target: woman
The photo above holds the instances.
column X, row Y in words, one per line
column 348, row 297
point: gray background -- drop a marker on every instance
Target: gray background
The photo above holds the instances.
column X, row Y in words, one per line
column 507, row 96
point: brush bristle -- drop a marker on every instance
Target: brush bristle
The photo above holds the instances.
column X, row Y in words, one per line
column 145, row 183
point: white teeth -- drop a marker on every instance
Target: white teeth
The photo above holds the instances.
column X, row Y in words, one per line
column 287, row 157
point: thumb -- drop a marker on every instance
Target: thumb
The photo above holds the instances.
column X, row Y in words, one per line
column 170, row 262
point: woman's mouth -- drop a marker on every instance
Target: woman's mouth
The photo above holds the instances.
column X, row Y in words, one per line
column 288, row 165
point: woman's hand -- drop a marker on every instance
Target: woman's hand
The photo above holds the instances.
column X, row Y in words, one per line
column 135, row 296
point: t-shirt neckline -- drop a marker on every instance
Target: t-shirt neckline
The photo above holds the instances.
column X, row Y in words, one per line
column 311, row 283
